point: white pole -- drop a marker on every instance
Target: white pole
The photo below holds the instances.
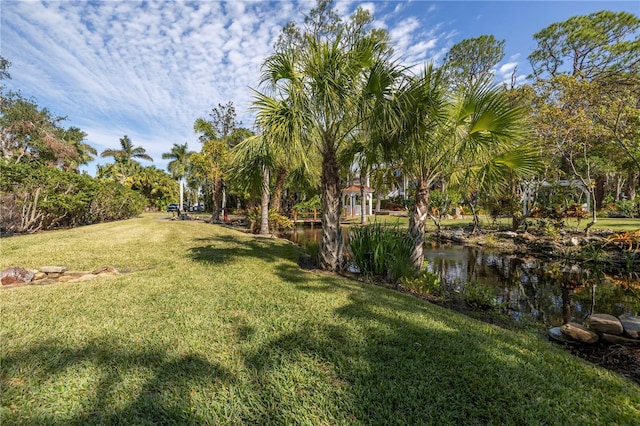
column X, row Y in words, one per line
column 181, row 196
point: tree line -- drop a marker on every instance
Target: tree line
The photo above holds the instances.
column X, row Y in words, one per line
column 335, row 103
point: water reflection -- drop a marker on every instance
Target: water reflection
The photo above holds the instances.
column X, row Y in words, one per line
column 550, row 292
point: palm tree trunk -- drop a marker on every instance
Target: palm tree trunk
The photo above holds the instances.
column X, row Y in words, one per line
column 264, row 205
column 276, row 203
column 417, row 219
column 330, row 255
column 363, row 201
column 215, row 216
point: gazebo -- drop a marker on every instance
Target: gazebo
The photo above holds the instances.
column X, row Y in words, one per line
column 351, row 202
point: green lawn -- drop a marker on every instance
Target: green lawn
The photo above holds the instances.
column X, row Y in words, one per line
column 212, row 326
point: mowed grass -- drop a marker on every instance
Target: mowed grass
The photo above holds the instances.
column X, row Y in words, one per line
column 213, row 326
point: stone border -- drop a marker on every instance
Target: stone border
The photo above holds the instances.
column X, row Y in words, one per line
column 624, row 330
column 18, row 277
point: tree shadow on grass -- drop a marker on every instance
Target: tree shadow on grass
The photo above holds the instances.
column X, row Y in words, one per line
column 227, row 249
column 163, row 395
column 389, row 366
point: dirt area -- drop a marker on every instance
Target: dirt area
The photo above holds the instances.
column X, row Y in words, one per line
column 624, row 360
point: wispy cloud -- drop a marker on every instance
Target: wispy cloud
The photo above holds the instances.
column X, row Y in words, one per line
column 149, row 69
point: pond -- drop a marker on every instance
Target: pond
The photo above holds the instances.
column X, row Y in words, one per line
column 552, row 292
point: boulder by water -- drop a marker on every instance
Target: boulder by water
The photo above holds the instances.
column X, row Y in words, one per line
column 605, row 323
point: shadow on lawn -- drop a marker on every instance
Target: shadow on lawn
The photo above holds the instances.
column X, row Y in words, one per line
column 163, row 397
column 229, row 249
column 388, row 369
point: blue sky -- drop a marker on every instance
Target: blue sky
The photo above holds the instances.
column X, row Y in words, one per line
column 149, row 69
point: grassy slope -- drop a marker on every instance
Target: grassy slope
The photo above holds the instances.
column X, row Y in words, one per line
column 214, row 326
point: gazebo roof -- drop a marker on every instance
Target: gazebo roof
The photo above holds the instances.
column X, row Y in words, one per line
column 355, row 190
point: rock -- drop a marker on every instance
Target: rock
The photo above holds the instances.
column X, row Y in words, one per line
column 631, row 325
column 39, row 276
column 85, row 277
column 105, row 269
column 605, row 323
column 579, row 333
column 75, row 273
column 458, row 236
column 619, row 340
column 556, row 334
column 507, row 234
column 16, row 275
column 53, row 269
column 66, row 278
column 574, row 241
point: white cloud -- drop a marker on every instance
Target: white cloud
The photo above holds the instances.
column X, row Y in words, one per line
column 118, row 67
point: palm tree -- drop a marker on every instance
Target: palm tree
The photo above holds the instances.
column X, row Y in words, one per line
column 84, row 151
column 442, row 136
column 211, row 162
column 313, row 101
column 179, row 165
column 252, row 161
column 125, row 156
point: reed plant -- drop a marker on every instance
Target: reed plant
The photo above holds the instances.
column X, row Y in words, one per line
column 382, row 251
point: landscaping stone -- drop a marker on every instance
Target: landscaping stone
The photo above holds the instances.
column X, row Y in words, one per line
column 605, row 323
column 53, row 274
column 579, row 333
column 53, row 269
column 556, row 334
column 459, row 236
column 631, row 325
column 66, row 278
column 85, row 277
column 619, row 340
column 104, row 269
column 16, row 275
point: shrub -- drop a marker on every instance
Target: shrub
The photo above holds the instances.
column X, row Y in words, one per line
column 309, row 205
column 277, row 222
column 478, row 296
column 426, row 282
column 625, row 208
column 37, row 197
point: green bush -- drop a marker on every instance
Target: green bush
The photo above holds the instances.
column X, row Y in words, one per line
column 425, row 283
column 36, row 197
column 381, row 251
column 478, row 296
column 277, row 222
column 309, row 205
column 626, row 208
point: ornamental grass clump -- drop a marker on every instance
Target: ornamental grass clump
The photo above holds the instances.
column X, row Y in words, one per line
column 381, row 251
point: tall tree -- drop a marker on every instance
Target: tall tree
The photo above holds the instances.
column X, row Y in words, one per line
column 439, row 135
column 313, row 100
column 588, row 46
column 31, row 133
column 179, row 165
column 85, row 152
column 127, row 152
column 251, row 164
column 587, row 71
column 473, row 59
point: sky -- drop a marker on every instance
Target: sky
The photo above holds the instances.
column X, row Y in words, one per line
column 149, row 69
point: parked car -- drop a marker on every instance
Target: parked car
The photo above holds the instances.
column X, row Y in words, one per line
column 174, row 207
column 197, row 207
